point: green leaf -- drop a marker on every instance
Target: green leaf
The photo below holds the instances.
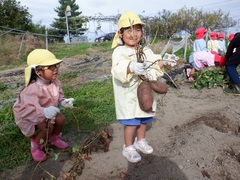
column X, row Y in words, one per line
column 55, row 155
column 75, row 149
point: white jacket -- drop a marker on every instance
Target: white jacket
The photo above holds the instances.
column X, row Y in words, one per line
column 125, row 85
column 213, row 46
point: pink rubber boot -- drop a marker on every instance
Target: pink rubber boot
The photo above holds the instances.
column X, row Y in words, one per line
column 36, row 151
column 56, row 141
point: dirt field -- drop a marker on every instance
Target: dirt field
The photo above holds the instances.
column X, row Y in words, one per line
column 195, row 136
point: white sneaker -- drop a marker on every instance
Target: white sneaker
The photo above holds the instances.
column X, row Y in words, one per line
column 143, row 146
column 131, row 154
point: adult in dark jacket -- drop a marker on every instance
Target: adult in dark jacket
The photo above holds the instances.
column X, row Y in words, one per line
column 232, row 62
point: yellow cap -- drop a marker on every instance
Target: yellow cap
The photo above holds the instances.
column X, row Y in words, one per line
column 39, row 57
column 127, row 19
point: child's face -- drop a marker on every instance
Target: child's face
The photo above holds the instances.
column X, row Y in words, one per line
column 132, row 35
column 49, row 72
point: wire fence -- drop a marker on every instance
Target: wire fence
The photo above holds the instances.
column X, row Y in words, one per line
column 49, row 38
column 16, row 43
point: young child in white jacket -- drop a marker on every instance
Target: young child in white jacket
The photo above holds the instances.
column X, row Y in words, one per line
column 126, row 71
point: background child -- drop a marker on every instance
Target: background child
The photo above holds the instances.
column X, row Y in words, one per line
column 213, row 44
column 214, row 48
column 199, row 60
column 231, row 64
column 126, row 72
column 37, row 106
column 222, row 45
column 199, row 43
column 230, row 37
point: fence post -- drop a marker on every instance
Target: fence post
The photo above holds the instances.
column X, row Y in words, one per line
column 185, row 48
column 20, row 49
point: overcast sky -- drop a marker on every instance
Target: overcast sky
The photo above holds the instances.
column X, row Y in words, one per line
column 43, row 10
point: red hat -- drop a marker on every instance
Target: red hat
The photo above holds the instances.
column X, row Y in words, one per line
column 200, row 33
column 201, row 30
column 230, row 37
column 213, row 35
column 221, row 35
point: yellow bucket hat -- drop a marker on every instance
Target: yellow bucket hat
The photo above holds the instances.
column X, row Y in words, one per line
column 39, row 57
column 127, row 19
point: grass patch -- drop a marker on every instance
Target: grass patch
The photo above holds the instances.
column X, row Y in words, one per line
column 13, row 64
column 14, row 146
column 10, row 59
column 70, row 74
column 93, row 106
column 66, row 50
column 14, row 49
column 3, row 87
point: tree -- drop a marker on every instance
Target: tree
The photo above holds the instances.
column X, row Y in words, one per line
column 13, row 15
column 75, row 21
column 188, row 19
column 164, row 23
column 167, row 23
column 39, row 28
column 191, row 19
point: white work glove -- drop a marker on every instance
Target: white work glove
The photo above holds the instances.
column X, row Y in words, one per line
column 137, row 68
column 67, row 102
column 148, row 64
column 51, row 112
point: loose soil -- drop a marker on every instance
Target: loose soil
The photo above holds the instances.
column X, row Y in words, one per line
column 195, row 136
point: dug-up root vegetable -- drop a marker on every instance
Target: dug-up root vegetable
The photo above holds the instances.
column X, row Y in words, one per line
column 158, row 87
column 145, row 94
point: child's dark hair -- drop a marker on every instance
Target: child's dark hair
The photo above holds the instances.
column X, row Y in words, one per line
column 121, row 31
column 33, row 73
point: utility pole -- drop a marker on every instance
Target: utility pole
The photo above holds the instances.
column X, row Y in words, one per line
column 46, row 35
column 68, row 13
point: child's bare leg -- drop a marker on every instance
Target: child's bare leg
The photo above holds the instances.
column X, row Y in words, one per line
column 141, row 143
column 129, row 151
column 190, row 78
column 192, row 72
column 59, row 123
column 141, row 130
column 128, row 135
column 44, row 129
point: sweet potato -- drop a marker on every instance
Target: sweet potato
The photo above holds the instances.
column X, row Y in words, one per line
column 145, row 96
column 158, row 87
